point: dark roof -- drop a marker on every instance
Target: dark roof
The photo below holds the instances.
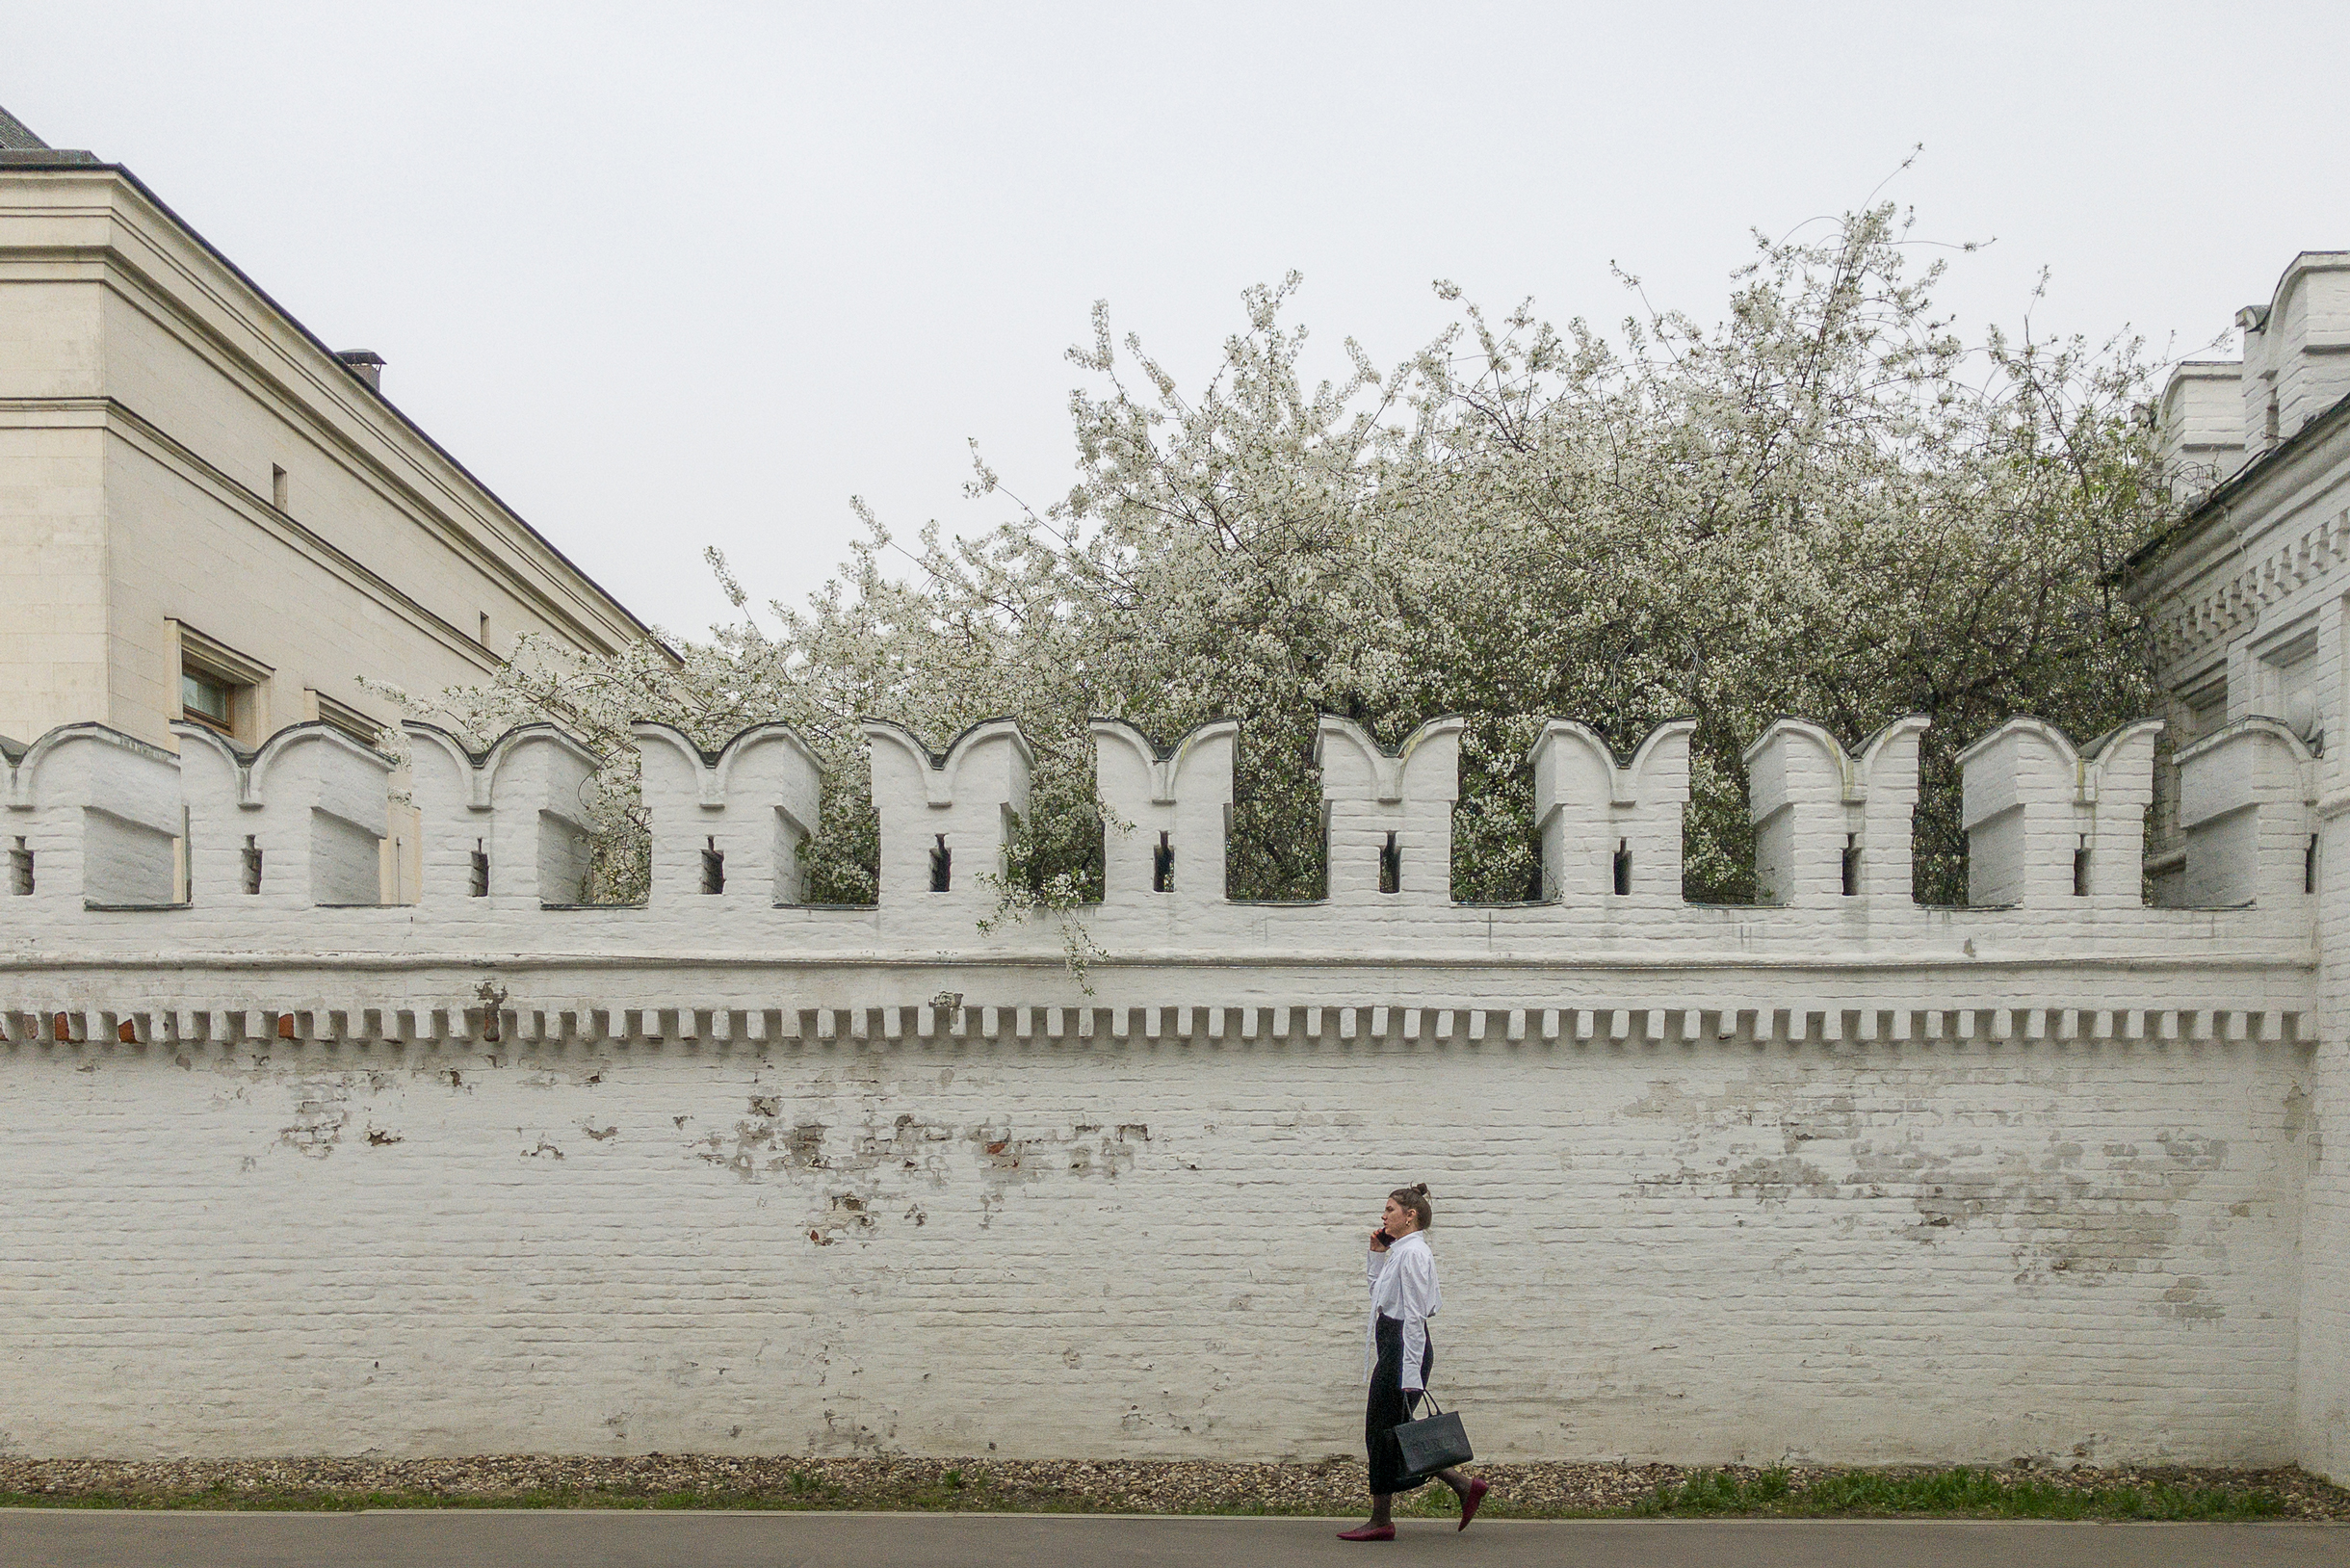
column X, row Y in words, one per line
column 2229, row 491
column 17, row 137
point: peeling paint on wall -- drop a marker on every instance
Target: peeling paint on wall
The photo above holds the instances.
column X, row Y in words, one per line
column 1939, row 1254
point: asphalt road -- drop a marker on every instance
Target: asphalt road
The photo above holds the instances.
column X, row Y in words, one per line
column 74, row 1538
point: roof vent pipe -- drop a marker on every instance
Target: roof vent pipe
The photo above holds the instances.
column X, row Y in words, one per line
column 366, row 364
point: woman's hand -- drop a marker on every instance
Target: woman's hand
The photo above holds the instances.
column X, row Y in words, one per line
column 1378, row 1239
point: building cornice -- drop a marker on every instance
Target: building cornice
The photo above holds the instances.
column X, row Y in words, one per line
column 124, row 423
column 2276, row 527
column 2239, row 492
column 310, row 385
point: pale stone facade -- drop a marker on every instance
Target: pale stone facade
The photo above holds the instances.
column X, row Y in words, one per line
column 193, row 484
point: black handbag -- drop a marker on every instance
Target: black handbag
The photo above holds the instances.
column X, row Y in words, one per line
column 1433, row 1442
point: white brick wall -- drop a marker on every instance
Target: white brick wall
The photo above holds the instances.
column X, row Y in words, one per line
column 1847, row 1179
column 1695, row 1251
column 2322, row 1438
column 2321, row 1128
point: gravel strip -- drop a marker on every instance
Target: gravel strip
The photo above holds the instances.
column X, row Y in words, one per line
column 1038, row 1485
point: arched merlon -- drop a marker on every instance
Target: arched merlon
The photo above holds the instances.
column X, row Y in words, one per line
column 520, row 827
column 1166, row 814
column 944, row 818
column 2046, row 823
column 299, row 822
column 1388, row 814
column 1829, row 825
column 2248, row 803
column 728, row 823
column 92, row 816
column 1611, row 829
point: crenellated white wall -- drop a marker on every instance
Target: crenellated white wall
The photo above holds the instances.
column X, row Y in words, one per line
column 1840, row 1177
column 2055, row 831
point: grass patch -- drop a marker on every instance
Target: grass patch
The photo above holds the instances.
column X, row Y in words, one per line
column 1964, row 1491
column 1524, row 1491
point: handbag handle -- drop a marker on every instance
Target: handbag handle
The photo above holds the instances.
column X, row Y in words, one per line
column 1429, row 1394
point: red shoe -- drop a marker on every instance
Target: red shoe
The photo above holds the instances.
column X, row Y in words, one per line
column 1368, row 1532
column 1479, row 1486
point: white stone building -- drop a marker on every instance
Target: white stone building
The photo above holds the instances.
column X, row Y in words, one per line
column 207, row 513
column 2260, row 449
column 2248, row 594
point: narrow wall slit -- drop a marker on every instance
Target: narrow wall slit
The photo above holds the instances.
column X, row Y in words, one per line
column 20, row 869
column 1390, row 867
column 942, row 866
column 480, row 871
column 1852, row 863
column 1163, row 866
column 2309, row 865
column 1622, row 867
column 2080, row 872
column 713, row 866
column 252, row 865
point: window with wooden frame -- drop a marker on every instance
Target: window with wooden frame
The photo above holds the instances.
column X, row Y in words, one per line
column 219, row 687
column 204, row 698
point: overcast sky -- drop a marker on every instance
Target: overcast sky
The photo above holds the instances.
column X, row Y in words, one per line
column 678, row 274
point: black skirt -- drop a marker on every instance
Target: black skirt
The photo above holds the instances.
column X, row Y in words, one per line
column 1388, row 1408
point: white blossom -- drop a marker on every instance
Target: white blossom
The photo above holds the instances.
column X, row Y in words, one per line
column 1826, row 505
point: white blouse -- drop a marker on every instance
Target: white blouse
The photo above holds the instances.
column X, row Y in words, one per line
column 1402, row 1287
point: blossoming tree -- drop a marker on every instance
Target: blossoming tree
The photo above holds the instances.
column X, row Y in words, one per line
column 1828, row 503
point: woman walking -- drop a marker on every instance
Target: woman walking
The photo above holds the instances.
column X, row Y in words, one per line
column 1403, row 1297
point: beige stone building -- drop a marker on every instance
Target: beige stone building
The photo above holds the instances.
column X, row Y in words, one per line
column 206, row 513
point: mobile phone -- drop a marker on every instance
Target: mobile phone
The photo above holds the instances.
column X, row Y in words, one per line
column 1380, row 1235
